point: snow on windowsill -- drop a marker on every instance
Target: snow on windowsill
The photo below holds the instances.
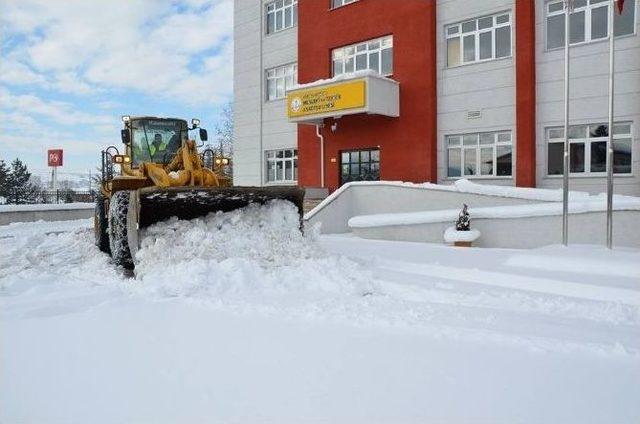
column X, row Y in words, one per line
column 46, row 207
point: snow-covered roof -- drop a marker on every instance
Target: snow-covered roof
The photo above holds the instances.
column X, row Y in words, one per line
column 342, row 77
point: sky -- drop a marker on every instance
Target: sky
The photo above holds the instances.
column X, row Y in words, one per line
column 69, row 69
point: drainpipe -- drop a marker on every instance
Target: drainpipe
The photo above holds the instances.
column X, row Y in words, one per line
column 262, row 95
column 321, row 139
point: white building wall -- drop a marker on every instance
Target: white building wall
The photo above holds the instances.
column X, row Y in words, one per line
column 259, row 125
column 488, row 86
column 589, row 91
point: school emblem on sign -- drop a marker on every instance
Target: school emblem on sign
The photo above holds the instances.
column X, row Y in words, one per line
column 296, row 104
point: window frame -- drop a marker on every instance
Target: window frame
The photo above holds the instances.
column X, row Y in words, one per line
column 274, row 159
column 587, row 141
column 342, row 50
column 460, row 35
column 359, row 150
column 588, row 9
column 478, row 153
column 293, row 67
column 344, row 3
column 282, row 10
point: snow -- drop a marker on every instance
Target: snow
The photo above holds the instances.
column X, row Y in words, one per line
column 46, row 207
column 465, row 186
column 451, row 235
column 239, row 318
column 223, row 257
column 592, row 204
column 342, row 77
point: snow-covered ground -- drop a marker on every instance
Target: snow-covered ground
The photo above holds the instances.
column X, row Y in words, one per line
column 239, row 318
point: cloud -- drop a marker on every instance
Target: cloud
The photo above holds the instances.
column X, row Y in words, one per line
column 59, row 112
column 14, row 72
column 145, row 46
column 69, row 69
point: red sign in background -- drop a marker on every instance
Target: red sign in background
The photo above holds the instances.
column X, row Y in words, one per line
column 54, row 157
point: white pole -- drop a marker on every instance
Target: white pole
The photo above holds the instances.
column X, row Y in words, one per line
column 565, row 179
column 321, row 138
column 610, row 139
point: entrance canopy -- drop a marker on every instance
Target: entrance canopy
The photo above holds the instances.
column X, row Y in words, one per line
column 348, row 94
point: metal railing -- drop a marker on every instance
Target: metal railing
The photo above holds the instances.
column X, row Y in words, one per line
column 65, row 196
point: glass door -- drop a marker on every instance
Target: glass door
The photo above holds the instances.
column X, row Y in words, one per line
column 359, row 165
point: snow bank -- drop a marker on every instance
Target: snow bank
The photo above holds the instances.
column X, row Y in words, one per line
column 594, row 204
column 463, row 186
column 250, row 253
column 46, row 207
column 543, row 194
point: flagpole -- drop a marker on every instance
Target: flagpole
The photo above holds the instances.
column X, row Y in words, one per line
column 610, row 138
column 565, row 179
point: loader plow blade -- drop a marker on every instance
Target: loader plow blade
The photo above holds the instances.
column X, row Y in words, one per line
column 158, row 204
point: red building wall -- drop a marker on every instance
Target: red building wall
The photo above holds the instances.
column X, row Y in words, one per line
column 525, row 25
column 408, row 144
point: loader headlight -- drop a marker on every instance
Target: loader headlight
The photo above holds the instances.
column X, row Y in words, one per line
column 121, row 159
column 195, row 122
column 126, row 118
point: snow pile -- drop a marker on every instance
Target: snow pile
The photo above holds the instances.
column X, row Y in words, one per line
column 451, row 235
column 61, row 254
column 244, row 256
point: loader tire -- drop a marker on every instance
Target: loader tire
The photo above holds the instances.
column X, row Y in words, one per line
column 100, row 225
column 118, row 241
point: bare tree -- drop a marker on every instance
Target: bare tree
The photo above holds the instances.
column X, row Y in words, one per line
column 223, row 143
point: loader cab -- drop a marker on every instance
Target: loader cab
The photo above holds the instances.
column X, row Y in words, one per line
column 154, row 140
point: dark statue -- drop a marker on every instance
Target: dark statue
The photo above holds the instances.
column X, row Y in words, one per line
column 463, row 223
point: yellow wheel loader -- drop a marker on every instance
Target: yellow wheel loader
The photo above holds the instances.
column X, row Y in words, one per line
column 162, row 174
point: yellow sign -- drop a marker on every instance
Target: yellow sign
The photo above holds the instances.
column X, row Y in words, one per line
column 327, row 99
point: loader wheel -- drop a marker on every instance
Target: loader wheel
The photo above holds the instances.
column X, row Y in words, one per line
column 118, row 242
column 100, row 224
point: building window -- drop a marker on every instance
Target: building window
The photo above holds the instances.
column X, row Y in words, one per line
column 487, row 154
column 478, row 40
column 589, row 21
column 282, row 166
column 376, row 55
column 281, row 79
column 281, row 14
column 588, row 149
column 340, row 3
column 360, row 165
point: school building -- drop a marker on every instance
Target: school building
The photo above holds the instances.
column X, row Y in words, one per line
column 332, row 91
